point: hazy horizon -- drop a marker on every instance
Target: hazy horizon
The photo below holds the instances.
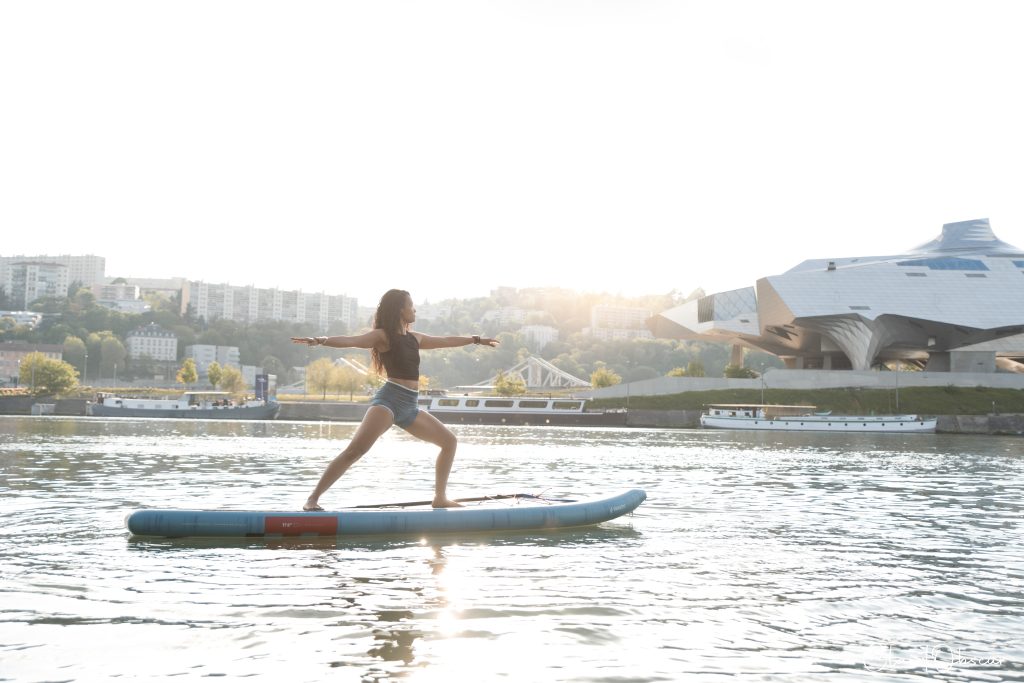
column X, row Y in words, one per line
column 453, row 147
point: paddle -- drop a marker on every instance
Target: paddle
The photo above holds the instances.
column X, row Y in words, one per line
column 476, row 499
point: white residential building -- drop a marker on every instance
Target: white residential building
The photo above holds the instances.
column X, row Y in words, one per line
column 124, row 298
column 27, row 318
column 167, row 288
column 250, row 304
column 87, row 269
column 608, row 322
column 152, row 341
column 27, row 281
column 507, row 316
column 205, row 354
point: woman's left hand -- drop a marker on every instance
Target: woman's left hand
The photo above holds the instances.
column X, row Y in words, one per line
column 488, row 342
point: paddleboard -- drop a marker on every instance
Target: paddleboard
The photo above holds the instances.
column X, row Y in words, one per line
column 521, row 513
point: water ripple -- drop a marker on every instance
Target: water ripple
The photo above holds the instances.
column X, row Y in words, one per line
column 776, row 557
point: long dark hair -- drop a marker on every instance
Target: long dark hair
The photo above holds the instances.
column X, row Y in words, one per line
column 388, row 318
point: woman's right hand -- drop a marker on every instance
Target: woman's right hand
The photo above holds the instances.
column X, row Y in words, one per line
column 308, row 341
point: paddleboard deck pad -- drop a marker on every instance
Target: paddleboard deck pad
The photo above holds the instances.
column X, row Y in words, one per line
column 523, row 514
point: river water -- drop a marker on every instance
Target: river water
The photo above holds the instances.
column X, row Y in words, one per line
column 769, row 557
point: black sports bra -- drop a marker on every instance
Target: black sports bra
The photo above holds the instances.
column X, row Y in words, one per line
column 402, row 360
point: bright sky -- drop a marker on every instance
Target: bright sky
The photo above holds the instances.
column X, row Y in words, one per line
column 625, row 146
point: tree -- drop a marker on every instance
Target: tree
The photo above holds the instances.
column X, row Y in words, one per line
column 318, row 376
column 231, row 380
column 509, row 385
column 695, row 368
column 677, row 372
column 344, row 378
column 738, row 372
column 112, row 355
column 187, row 374
column 46, row 376
column 603, row 377
column 214, row 373
column 74, row 353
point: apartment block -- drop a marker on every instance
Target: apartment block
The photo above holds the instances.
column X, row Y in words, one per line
column 608, row 322
column 12, row 353
column 27, row 281
column 205, row 354
column 87, row 269
column 152, row 341
column 250, row 304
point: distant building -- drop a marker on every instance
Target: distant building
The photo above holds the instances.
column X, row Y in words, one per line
column 152, row 341
column 27, row 281
column 12, row 353
column 608, row 322
column 168, row 288
column 950, row 304
column 250, row 304
column 434, row 311
column 27, row 318
column 539, row 336
column 205, row 354
column 124, row 298
column 507, row 316
column 87, row 269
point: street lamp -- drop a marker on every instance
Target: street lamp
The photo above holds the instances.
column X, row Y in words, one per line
column 85, row 367
column 762, row 382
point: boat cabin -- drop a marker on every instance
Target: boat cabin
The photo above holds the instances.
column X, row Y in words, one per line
column 502, row 404
column 757, row 410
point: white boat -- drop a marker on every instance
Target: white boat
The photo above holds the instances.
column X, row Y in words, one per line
column 203, row 405
column 805, row 419
column 517, row 410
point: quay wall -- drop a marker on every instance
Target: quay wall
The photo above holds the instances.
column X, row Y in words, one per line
column 313, row 411
column 776, row 378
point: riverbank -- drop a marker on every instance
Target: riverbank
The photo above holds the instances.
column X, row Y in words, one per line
column 1007, row 424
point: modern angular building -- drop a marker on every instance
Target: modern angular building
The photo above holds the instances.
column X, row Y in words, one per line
column 955, row 303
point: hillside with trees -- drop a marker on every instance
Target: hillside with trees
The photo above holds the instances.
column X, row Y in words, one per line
column 82, row 326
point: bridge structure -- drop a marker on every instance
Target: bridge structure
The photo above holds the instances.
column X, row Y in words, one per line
column 538, row 374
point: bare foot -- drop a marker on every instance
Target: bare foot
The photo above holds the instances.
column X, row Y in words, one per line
column 312, row 506
column 445, row 503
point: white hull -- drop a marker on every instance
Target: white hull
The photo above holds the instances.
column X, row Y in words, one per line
column 823, row 423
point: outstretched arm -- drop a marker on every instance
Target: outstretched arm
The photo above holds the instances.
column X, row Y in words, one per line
column 362, row 341
column 429, row 342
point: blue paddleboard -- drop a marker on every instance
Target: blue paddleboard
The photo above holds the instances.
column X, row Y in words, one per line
column 522, row 514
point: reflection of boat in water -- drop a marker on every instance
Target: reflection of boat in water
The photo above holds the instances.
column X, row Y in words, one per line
column 202, row 405
column 517, row 410
column 804, row 419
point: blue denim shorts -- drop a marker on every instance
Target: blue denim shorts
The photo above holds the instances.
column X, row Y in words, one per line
column 401, row 401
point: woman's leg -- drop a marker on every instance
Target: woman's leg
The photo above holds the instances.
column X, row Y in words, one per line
column 430, row 429
column 377, row 420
